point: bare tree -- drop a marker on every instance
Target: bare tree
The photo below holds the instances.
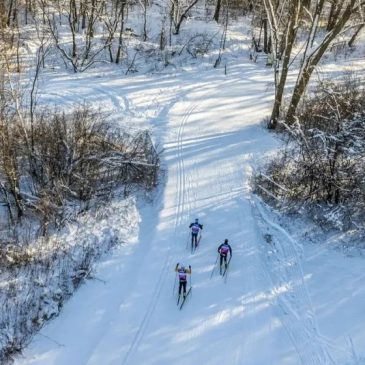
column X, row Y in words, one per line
column 121, row 14
column 217, row 10
column 180, row 9
column 81, row 55
column 313, row 56
column 285, row 19
column 334, row 13
column 144, row 5
column 355, row 35
column 287, row 43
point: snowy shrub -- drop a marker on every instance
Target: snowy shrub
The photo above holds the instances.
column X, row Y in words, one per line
column 62, row 159
column 198, row 45
column 321, row 169
column 37, row 279
column 60, row 170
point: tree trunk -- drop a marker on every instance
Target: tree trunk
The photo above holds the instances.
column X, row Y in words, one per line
column 83, row 15
column 90, row 30
column 120, row 40
column 2, row 15
column 217, row 10
column 354, row 36
column 266, row 48
column 8, row 22
column 311, row 62
column 178, row 19
column 26, row 12
column 73, row 22
column 307, row 4
column 292, row 28
column 334, row 14
column 145, row 5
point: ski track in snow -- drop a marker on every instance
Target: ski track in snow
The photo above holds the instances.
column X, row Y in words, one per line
column 289, row 287
column 262, row 314
column 182, row 193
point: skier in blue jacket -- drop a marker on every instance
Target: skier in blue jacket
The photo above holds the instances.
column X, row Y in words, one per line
column 223, row 251
column 195, row 229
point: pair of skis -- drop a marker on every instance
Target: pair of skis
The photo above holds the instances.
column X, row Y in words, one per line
column 194, row 246
column 179, row 295
column 225, row 271
column 184, row 298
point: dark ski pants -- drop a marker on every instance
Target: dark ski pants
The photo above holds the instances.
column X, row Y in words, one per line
column 194, row 238
column 182, row 285
column 223, row 258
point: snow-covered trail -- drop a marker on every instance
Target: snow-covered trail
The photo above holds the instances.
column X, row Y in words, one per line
column 208, row 124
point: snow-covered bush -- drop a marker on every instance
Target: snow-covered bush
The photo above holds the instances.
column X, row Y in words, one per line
column 62, row 159
column 321, row 170
column 58, row 173
column 37, row 279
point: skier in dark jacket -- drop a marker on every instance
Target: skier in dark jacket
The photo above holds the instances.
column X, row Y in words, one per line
column 183, row 277
column 223, row 250
column 195, row 229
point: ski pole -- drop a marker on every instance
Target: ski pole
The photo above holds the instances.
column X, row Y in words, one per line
column 173, row 290
column 215, row 264
column 187, row 242
column 190, row 285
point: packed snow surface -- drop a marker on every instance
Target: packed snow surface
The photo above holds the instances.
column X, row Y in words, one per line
column 282, row 303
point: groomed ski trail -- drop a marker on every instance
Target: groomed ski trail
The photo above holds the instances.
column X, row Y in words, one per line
column 182, row 190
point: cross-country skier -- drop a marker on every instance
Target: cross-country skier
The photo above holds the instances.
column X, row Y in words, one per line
column 223, row 250
column 183, row 277
column 195, row 229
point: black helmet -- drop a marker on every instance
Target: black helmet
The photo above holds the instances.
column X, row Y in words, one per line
column 226, row 240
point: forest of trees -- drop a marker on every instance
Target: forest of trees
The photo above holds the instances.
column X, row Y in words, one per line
column 98, row 31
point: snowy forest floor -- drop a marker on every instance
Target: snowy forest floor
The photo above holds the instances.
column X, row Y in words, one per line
column 285, row 301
